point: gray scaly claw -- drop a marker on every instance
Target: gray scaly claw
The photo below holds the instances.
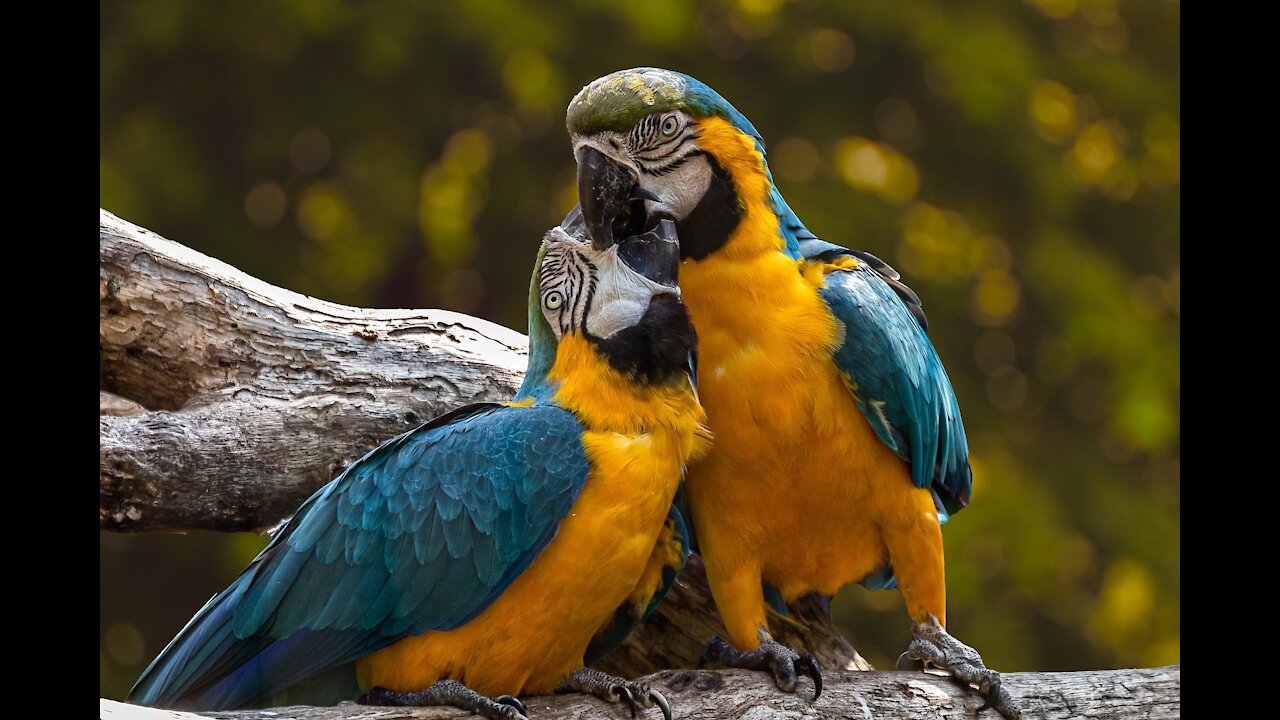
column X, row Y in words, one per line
column 785, row 664
column 933, row 645
column 615, row 689
column 449, row 692
column 513, row 702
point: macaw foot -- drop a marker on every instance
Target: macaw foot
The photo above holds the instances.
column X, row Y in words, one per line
column 786, row 664
column 451, row 692
column 935, row 646
column 614, row 689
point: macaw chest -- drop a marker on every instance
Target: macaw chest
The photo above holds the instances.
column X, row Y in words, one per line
column 793, row 457
column 537, row 630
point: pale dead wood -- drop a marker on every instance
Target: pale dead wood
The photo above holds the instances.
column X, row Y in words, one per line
column 1145, row 694
column 254, row 396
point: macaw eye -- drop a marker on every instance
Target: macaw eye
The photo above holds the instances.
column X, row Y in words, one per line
column 553, row 300
column 669, row 125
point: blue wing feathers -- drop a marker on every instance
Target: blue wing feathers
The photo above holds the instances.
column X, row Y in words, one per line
column 899, row 383
column 421, row 533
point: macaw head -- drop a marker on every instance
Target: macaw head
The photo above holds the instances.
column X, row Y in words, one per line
column 623, row 300
column 652, row 144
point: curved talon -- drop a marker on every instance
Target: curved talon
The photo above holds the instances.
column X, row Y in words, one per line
column 807, row 665
column 993, row 692
column 662, row 703
column 713, row 645
column 513, row 702
column 904, row 662
column 625, row 694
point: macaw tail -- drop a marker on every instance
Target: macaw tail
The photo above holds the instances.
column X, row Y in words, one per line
column 207, row 667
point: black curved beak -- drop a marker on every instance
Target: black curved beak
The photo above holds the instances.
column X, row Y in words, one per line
column 655, row 254
column 606, row 189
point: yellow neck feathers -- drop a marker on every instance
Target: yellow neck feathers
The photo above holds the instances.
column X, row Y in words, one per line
column 736, row 152
column 607, row 400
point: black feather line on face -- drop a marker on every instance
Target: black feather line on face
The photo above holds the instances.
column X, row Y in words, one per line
column 574, row 277
column 712, row 221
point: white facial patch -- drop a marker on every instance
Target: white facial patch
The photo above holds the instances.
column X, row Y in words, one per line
column 622, row 296
column 582, row 288
column 680, row 189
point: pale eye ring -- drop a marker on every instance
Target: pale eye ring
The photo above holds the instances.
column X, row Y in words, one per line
column 553, row 300
column 669, row 125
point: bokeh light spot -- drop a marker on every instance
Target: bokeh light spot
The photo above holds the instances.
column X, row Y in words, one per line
column 309, row 151
column 264, row 204
column 828, row 49
column 795, row 159
column 896, row 120
column 1053, row 111
column 1073, row 556
column 531, row 80
column 1127, row 600
column 1007, row 388
column 993, row 350
column 323, row 211
column 1093, row 154
column 995, row 298
column 870, row 166
column 124, row 644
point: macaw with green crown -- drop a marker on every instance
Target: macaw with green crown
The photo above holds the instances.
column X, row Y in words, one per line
column 839, row 448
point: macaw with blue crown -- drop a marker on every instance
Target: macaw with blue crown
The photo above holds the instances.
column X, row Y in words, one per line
column 495, row 550
column 839, row 446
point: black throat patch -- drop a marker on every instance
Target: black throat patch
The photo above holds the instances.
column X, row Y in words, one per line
column 713, row 219
column 656, row 350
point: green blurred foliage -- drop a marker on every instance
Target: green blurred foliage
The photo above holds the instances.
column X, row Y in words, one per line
column 1017, row 161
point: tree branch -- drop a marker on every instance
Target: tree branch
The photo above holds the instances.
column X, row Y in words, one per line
column 1148, row 694
column 226, row 401
column 254, row 396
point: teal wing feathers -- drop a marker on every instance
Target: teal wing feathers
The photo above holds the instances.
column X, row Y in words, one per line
column 422, row 533
column 899, row 383
column 898, row 380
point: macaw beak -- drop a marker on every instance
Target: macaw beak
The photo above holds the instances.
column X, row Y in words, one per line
column 655, row 254
column 606, row 190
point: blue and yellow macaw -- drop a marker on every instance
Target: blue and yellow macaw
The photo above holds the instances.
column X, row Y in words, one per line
column 839, row 445
column 494, row 550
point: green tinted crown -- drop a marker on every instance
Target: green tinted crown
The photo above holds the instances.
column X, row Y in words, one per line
column 619, row 100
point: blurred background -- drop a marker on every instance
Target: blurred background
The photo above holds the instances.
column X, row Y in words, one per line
column 1017, row 161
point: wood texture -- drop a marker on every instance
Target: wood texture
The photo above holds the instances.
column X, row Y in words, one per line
column 254, row 396
column 1147, row 694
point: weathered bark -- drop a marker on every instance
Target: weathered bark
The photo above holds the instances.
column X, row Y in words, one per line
column 255, row 396
column 228, row 401
column 1148, row 694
